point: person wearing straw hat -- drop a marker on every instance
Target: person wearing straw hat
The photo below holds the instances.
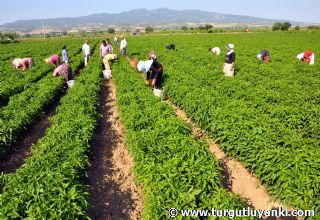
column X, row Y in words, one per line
column 123, row 45
column 264, row 55
column 228, row 66
column 308, row 56
column 64, row 70
column 215, row 50
column 54, row 60
column 24, row 63
column 153, row 70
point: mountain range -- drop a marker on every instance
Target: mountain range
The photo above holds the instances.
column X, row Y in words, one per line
column 139, row 17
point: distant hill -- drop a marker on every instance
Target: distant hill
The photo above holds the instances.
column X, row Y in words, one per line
column 161, row 16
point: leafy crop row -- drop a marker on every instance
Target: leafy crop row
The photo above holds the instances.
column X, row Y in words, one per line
column 175, row 170
column 267, row 116
column 24, row 108
column 13, row 81
column 50, row 184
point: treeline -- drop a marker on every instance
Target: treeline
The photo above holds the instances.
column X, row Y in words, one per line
column 8, row 37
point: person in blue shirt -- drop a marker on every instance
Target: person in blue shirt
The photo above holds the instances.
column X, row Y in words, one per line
column 64, row 54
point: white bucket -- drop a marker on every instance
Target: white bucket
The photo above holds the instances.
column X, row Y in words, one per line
column 106, row 74
column 70, row 83
column 158, row 93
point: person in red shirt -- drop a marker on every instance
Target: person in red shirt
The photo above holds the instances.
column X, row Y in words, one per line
column 308, row 56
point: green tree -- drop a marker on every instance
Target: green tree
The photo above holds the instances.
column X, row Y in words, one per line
column 208, row 27
column 149, row 29
column 110, row 30
column 276, row 26
column 184, row 28
column 297, row 28
column 285, row 26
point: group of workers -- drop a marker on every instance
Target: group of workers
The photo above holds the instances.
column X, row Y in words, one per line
column 264, row 55
column 152, row 67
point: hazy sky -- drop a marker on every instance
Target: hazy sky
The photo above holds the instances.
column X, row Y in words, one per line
column 298, row 10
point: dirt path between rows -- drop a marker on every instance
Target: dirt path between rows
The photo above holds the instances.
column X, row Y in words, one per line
column 236, row 178
column 21, row 150
column 113, row 194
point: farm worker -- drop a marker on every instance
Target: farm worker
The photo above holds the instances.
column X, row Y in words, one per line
column 264, row 55
column 64, row 70
column 228, row 66
column 108, row 59
column 24, row 63
column 54, row 60
column 109, row 49
column 103, row 49
column 215, row 50
column 86, row 52
column 307, row 55
column 123, row 45
column 152, row 68
column 152, row 55
column 64, row 55
column 171, row 46
column 115, row 40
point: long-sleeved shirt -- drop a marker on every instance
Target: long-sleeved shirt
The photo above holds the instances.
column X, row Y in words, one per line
column 123, row 44
column 86, row 49
column 64, row 70
column 64, row 56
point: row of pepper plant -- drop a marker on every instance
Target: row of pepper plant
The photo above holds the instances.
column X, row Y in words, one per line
column 267, row 116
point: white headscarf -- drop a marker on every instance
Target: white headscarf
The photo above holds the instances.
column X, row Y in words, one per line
column 16, row 62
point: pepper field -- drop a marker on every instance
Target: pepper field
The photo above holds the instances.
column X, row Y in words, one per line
column 267, row 117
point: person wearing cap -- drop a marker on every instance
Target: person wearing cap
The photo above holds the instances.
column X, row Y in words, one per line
column 54, row 60
column 308, row 56
column 152, row 55
column 228, row 66
column 264, row 55
column 215, row 50
column 64, row 55
column 24, row 63
column 108, row 59
column 171, row 46
column 64, row 70
column 86, row 52
column 123, row 45
column 153, row 70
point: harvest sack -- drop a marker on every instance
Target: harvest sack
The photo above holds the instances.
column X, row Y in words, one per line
column 227, row 71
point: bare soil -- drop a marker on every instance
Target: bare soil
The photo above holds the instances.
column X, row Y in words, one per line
column 236, row 178
column 113, row 194
column 21, row 150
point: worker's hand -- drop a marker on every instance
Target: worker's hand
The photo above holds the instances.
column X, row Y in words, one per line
column 153, row 82
column 231, row 68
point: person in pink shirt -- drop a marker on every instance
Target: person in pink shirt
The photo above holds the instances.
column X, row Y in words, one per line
column 54, row 60
column 24, row 63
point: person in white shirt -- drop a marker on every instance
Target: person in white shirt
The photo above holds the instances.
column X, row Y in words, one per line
column 215, row 50
column 86, row 52
column 123, row 45
column 116, row 40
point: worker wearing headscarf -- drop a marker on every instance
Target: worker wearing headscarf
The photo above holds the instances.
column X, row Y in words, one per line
column 228, row 66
